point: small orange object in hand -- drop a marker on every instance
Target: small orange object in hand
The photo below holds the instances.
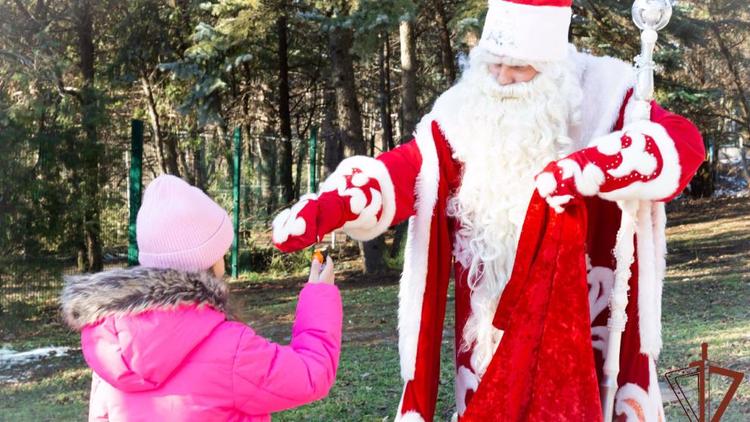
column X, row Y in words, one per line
column 320, row 255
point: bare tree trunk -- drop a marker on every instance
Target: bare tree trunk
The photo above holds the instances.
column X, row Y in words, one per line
column 409, row 108
column 185, row 168
column 384, row 97
column 737, row 79
column 90, row 151
column 184, row 156
column 285, row 147
column 267, row 155
column 348, row 115
column 446, row 50
column 170, row 146
column 303, row 146
column 153, row 115
column 349, row 120
column 743, row 161
column 199, row 165
column 333, row 151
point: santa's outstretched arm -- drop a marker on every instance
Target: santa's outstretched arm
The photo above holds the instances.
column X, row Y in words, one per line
column 364, row 196
column 645, row 160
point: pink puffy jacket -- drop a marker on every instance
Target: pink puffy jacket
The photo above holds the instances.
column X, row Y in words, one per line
column 162, row 349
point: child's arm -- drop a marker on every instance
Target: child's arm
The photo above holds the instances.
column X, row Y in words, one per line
column 269, row 377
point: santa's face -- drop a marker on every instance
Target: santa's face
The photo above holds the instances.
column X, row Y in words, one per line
column 506, row 74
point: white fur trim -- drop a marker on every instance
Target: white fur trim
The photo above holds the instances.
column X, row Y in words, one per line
column 367, row 226
column 605, row 82
column 465, row 380
column 636, row 158
column 659, row 219
column 600, row 338
column 409, row 417
column 630, row 397
column 591, row 178
column 557, row 202
column 526, row 32
column 288, row 223
column 546, row 184
column 414, row 277
column 587, row 180
column 600, row 280
column 649, row 281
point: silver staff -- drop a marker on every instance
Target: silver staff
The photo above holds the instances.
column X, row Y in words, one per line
column 649, row 16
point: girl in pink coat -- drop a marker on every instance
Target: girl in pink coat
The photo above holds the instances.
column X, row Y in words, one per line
column 158, row 337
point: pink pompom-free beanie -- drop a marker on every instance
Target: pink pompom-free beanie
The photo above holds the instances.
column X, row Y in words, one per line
column 180, row 227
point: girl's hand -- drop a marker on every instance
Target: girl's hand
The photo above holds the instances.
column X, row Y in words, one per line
column 324, row 276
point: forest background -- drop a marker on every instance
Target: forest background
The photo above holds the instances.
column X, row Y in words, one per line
column 73, row 73
column 350, row 77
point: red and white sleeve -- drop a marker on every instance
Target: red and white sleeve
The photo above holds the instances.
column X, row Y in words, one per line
column 646, row 160
column 363, row 197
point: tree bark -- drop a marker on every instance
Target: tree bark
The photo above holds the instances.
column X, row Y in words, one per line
column 333, row 152
column 446, row 50
column 166, row 145
column 349, row 124
column 170, row 145
column 743, row 161
column 199, row 164
column 384, row 97
column 737, row 79
column 267, row 155
column 303, row 147
column 409, row 107
column 285, row 146
column 90, row 151
column 348, row 114
column 153, row 115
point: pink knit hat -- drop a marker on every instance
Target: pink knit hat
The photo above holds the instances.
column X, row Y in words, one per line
column 180, row 227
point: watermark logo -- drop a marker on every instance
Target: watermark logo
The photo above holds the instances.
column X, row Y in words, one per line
column 699, row 374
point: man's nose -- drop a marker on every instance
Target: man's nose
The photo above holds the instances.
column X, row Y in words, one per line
column 505, row 76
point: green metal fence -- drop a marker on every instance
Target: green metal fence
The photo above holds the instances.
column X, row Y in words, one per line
column 30, row 285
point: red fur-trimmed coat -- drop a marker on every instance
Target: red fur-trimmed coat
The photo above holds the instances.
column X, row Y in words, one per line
column 365, row 196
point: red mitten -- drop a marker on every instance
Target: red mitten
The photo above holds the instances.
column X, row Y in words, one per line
column 639, row 162
column 295, row 228
column 349, row 199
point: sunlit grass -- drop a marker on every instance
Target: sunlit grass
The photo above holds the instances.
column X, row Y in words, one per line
column 706, row 299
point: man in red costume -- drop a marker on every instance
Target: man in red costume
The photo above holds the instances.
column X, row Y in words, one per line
column 529, row 112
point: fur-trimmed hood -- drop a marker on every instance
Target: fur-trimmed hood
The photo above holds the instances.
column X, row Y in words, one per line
column 89, row 298
column 139, row 325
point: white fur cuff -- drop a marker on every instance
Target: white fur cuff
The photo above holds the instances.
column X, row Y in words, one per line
column 409, row 417
column 288, row 223
column 635, row 158
column 367, row 226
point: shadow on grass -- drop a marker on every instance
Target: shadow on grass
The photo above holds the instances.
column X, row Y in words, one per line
column 706, row 298
column 707, row 292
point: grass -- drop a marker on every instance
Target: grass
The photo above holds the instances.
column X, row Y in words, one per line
column 706, row 297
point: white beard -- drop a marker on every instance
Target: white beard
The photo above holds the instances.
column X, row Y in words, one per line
column 503, row 136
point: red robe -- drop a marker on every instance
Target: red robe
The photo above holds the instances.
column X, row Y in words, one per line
column 416, row 180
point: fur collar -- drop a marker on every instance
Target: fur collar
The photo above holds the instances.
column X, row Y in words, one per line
column 605, row 82
column 89, row 298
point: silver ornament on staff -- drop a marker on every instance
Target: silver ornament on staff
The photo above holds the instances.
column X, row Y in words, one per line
column 650, row 16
